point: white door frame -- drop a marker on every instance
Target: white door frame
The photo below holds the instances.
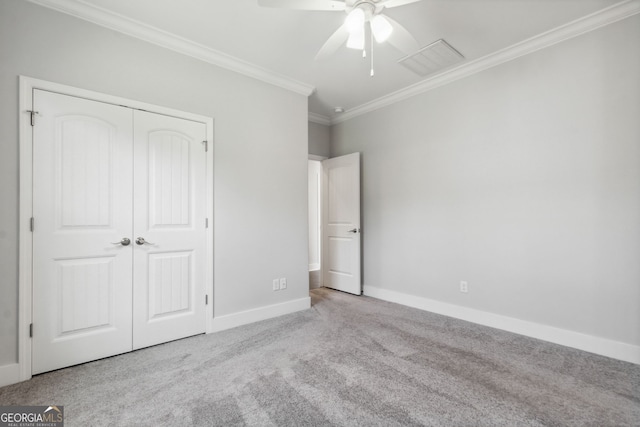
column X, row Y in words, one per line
column 25, row 255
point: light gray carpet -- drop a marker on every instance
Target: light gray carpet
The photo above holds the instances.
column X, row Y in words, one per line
column 347, row 361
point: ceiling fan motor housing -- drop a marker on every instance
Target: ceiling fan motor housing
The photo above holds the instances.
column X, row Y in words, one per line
column 369, row 7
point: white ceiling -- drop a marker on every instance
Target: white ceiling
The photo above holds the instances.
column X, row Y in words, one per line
column 286, row 41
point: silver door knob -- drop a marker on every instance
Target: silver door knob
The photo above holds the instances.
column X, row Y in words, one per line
column 124, row 242
column 355, row 230
column 141, row 241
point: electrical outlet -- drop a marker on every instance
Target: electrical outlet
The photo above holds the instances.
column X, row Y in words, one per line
column 464, row 287
column 283, row 283
column 276, row 284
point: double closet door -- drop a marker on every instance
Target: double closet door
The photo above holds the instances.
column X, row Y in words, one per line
column 119, row 233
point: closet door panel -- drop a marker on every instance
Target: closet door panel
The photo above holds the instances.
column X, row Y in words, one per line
column 82, row 204
column 169, row 228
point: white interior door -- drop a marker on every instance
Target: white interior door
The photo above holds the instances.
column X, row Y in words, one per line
column 82, row 208
column 169, row 201
column 341, row 220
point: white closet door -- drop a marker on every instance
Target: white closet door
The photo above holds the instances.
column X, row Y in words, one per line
column 82, row 207
column 170, row 213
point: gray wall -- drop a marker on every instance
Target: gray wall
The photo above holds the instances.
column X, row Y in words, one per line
column 319, row 138
column 523, row 180
column 260, row 148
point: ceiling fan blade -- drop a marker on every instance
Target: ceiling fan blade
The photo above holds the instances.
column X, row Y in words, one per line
column 401, row 38
column 396, row 3
column 304, row 4
column 334, row 42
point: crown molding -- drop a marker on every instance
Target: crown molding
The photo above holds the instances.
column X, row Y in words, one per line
column 148, row 33
column 609, row 15
column 319, row 119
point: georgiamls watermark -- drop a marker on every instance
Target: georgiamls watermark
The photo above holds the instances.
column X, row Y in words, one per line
column 31, row 416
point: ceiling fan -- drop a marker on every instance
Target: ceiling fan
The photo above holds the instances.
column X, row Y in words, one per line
column 359, row 14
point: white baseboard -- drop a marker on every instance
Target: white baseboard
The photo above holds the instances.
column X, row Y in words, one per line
column 10, row 374
column 590, row 343
column 229, row 321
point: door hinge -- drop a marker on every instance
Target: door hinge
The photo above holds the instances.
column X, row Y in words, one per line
column 206, row 300
column 32, row 224
column 206, row 145
column 31, row 330
column 206, row 223
column 33, row 114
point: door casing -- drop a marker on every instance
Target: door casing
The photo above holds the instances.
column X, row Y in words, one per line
column 25, row 255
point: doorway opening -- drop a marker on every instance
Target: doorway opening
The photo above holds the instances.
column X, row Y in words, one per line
column 334, row 223
column 315, row 223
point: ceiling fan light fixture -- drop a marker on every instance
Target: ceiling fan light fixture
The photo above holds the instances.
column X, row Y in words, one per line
column 356, row 39
column 381, row 28
column 355, row 20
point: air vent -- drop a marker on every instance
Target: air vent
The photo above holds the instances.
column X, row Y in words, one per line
column 434, row 57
